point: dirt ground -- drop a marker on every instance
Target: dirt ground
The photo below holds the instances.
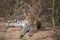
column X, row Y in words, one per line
column 14, row 34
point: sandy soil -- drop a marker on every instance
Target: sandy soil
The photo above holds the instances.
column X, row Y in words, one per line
column 14, row 34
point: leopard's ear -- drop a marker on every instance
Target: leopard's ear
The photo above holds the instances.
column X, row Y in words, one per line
column 30, row 14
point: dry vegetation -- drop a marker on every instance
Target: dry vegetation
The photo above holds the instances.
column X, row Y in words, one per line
column 48, row 12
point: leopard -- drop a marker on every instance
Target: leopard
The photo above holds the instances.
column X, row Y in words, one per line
column 30, row 25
